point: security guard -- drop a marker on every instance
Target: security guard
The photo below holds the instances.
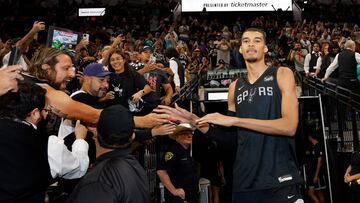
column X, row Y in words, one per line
column 177, row 169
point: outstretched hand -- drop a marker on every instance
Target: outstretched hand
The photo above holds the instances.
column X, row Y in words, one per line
column 177, row 113
column 151, row 120
column 164, row 129
column 217, row 119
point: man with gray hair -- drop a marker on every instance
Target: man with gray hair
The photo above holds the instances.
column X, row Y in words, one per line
column 346, row 61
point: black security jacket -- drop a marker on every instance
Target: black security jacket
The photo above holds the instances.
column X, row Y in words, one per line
column 116, row 177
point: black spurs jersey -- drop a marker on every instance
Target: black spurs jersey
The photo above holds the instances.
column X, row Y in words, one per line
column 262, row 161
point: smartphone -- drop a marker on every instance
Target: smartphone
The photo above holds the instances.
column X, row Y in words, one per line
column 14, row 56
column 86, row 36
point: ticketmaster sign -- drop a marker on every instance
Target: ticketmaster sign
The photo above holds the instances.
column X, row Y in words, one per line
column 239, row 5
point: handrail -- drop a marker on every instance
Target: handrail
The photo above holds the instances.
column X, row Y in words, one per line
column 189, row 88
column 343, row 95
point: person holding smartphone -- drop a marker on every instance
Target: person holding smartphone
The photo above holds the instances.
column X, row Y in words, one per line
column 22, row 46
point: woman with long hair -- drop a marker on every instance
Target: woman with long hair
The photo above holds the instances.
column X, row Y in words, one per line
column 127, row 85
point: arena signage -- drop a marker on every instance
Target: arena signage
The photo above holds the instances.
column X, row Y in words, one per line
column 237, row 5
column 91, row 12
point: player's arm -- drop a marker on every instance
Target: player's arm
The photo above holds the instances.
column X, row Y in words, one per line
column 231, row 101
column 286, row 125
column 187, row 117
column 223, row 135
column 204, row 127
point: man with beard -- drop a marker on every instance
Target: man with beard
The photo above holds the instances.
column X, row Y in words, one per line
column 95, row 86
column 52, row 69
column 263, row 108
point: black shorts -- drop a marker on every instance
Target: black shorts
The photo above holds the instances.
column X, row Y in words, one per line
column 320, row 185
column 287, row 194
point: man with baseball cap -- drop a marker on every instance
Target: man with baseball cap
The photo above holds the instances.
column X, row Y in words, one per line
column 96, row 81
column 156, row 76
column 146, row 60
column 116, row 176
column 95, row 85
column 177, row 169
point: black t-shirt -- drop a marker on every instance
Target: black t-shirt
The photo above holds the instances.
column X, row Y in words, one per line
column 155, row 78
column 90, row 100
column 312, row 156
column 125, row 85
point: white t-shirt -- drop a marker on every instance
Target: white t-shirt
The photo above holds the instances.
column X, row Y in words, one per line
column 22, row 62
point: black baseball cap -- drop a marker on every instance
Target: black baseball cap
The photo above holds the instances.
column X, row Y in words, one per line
column 115, row 126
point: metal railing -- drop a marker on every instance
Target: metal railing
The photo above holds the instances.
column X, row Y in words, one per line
column 341, row 121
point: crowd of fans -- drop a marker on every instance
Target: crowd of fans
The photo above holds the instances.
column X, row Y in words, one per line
column 140, row 61
column 194, row 36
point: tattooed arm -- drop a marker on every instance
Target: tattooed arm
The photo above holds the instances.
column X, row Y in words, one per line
column 62, row 105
